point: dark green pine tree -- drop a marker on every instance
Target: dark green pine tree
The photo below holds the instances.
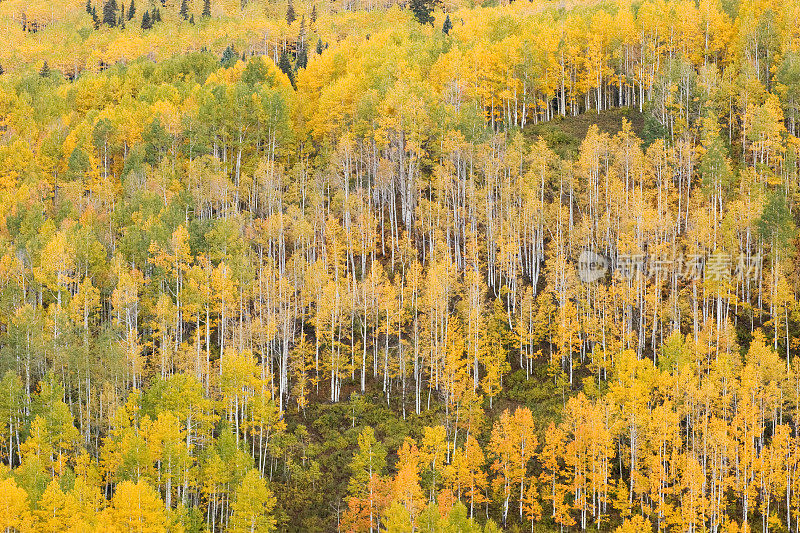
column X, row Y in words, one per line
column 302, row 58
column 447, row 26
column 121, row 21
column 1, row 70
column 286, row 67
column 157, row 16
column 110, row 13
column 184, row 12
column 45, row 71
column 301, row 35
column 95, row 18
column 191, row 19
column 301, row 55
column 206, row 8
column 319, row 46
column 422, row 10
column 229, row 56
column 89, row 7
column 290, row 15
column 146, row 23
column 131, row 11
column 313, row 16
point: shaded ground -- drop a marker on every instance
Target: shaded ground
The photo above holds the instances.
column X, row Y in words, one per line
column 565, row 134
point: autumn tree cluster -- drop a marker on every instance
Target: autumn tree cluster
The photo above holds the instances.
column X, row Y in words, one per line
column 317, row 267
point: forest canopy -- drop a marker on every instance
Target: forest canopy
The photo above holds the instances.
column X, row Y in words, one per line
column 422, row 266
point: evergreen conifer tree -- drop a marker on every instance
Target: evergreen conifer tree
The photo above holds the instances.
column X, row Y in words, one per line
column 229, row 56
column 301, row 37
column 302, row 58
column 422, row 10
column 286, row 67
column 290, row 15
column 110, row 13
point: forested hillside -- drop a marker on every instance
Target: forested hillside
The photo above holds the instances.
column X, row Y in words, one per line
column 365, row 266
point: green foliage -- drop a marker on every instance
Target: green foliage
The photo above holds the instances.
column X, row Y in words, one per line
column 653, row 130
column 369, row 460
column 285, row 65
column 229, row 56
column 422, row 10
column 257, row 72
column 253, row 506
column 674, row 355
column 714, row 165
column 302, row 59
column 156, row 142
column 110, row 13
column 200, row 260
column 776, row 224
